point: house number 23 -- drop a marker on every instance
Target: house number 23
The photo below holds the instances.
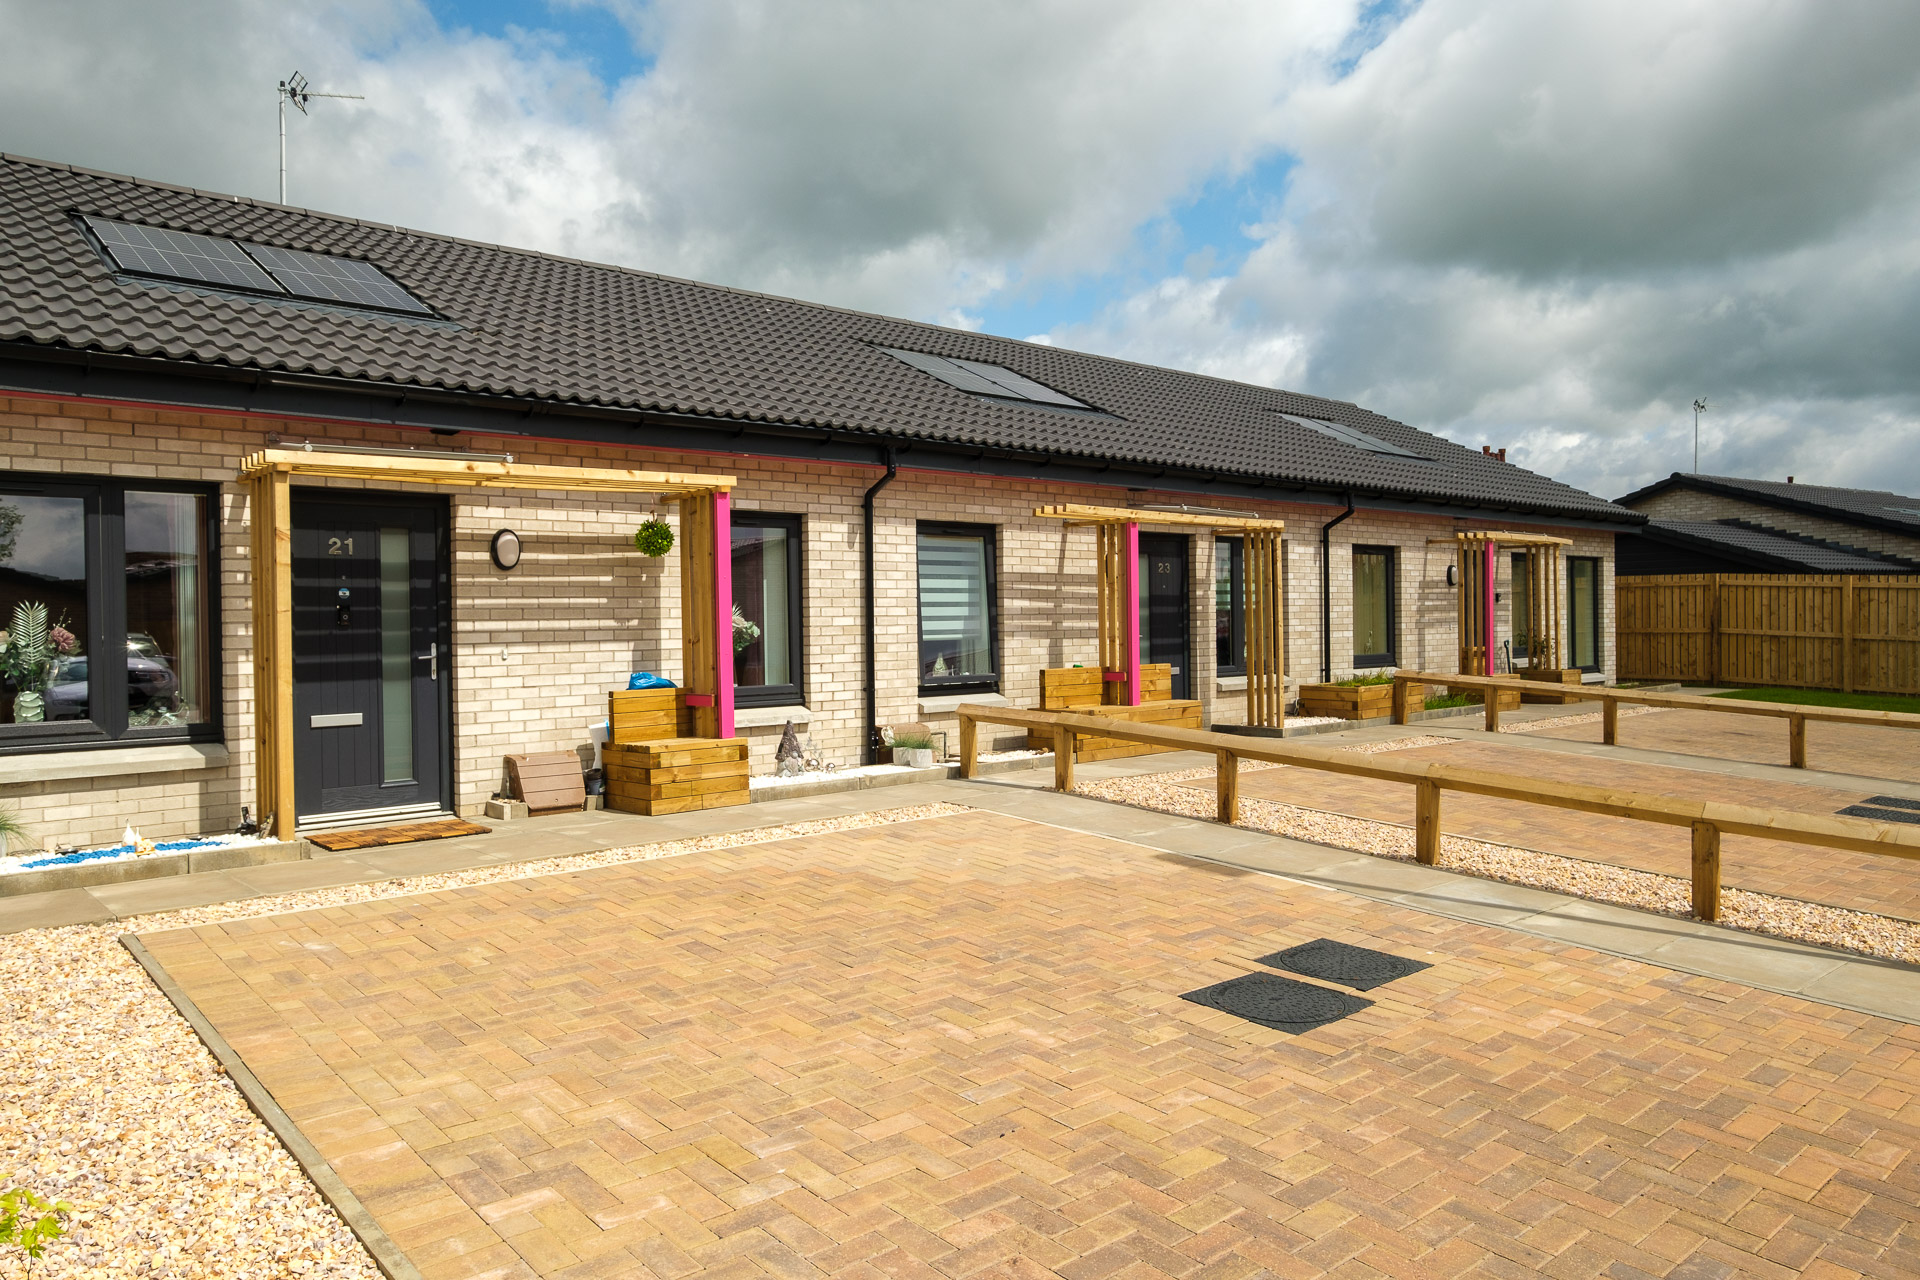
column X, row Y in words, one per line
column 339, row 546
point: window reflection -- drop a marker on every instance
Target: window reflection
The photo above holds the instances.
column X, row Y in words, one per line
column 167, row 676
column 43, row 608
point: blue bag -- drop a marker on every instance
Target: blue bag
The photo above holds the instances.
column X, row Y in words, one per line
column 648, row 680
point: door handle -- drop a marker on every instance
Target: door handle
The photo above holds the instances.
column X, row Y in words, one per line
column 432, row 655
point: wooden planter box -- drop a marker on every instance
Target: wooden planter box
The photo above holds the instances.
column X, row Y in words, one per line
column 644, row 715
column 1181, row 714
column 675, row 775
column 1081, row 688
column 1570, row 676
column 1509, row 698
column 1352, row 701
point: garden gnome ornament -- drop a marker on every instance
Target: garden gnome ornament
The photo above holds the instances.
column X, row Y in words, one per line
column 787, row 755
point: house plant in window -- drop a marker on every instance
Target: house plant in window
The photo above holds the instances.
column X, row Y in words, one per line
column 32, row 651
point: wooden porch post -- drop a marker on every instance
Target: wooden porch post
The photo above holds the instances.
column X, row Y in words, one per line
column 1489, row 551
column 1130, row 601
column 272, row 574
column 706, row 611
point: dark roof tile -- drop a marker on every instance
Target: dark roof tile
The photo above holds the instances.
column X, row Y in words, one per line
column 534, row 326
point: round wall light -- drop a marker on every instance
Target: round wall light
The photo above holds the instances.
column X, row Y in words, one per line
column 505, row 549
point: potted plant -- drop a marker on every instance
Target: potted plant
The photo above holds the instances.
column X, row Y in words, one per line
column 29, row 652
column 913, row 748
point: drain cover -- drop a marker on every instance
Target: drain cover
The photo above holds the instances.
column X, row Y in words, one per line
column 1331, row 961
column 1280, row 1003
column 1878, row 814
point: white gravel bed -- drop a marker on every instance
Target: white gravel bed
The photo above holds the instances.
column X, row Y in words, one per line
column 1811, row 922
column 110, row 1101
column 1400, row 744
column 772, row 781
column 40, row 859
column 1561, row 722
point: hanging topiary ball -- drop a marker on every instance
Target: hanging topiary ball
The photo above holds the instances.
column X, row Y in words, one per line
column 654, row 538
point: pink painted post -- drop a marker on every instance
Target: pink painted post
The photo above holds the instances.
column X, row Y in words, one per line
column 1131, row 654
column 723, row 609
column 1486, row 596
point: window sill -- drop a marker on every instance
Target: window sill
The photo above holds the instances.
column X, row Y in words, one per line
column 949, row 703
column 763, row 717
column 118, row 762
column 1233, row 684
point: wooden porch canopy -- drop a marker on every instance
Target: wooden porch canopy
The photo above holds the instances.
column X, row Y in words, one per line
column 1478, row 549
column 1118, row 531
column 706, row 579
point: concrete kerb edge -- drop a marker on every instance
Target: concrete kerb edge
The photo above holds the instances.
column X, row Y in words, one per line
column 386, row 1254
column 1395, row 897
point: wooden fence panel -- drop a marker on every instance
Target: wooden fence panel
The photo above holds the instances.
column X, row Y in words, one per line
column 1801, row 631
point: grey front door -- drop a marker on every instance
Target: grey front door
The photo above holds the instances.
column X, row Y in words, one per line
column 370, row 653
column 1165, row 619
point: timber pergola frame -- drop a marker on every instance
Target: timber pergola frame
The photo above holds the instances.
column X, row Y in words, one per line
column 1478, row 561
column 1118, row 530
column 706, row 580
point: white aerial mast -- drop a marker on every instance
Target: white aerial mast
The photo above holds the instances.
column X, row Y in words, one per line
column 294, row 89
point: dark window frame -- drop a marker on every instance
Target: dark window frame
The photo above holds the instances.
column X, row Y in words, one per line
column 1518, row 585
column 1599, row 590
column 947, row 685
column 793, row 693
column 105, row 559
column 1235, row 549
column 1389, row 657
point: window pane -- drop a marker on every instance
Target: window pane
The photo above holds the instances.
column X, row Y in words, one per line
column 1228, row 602
column 43, row 575
column 954, row 635
column 762, row 608
column 167, row 637
column 396, row 657
column 1372, row 604
column 1583, row 600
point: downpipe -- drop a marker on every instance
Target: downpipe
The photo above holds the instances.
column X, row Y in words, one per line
column 866, row 546
column 1326, row 592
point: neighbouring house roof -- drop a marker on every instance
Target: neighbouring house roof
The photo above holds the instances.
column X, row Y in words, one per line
column 529, row 327
column 1746, row 546
column 1869, row 507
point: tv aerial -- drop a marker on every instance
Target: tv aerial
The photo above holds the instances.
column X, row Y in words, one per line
column 296, row 89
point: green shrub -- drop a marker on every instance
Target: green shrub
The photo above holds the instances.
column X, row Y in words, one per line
column 654, row 538
column 1360, row 680
column 913, row 740
column 27, row 1222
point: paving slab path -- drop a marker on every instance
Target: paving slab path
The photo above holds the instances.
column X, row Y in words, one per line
column 957, row 1047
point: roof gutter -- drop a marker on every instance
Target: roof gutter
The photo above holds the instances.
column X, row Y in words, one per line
column 1326, row 592
column 866, row 554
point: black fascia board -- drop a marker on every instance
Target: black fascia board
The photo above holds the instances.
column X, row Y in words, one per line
column 1779, row 502
column 27, row 368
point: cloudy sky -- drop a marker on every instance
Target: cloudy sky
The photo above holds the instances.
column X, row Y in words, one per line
column 1543, row 226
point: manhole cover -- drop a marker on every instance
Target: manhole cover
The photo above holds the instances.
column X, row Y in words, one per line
column 1280, row 1003
column 1892, row 802
column 1350, row 966
column 1878, row 814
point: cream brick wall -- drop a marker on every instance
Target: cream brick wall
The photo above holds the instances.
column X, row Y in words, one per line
column 537, row 649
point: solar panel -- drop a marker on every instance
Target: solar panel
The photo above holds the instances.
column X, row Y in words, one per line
column 983, row 379
column 180, row 255
column 1347, row 435
column 319, row 275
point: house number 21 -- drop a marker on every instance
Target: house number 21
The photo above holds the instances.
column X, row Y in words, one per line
column 339, row 546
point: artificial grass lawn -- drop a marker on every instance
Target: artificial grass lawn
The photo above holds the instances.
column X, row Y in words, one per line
column 1827, row 698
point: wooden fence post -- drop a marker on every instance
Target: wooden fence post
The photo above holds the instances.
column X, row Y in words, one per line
column 1399, row 700
column 1846, row 633
column 1706, row 871
column 1227, row 783
column 1610, row 721
column 969, row 745
column 1426, row 822
column 1062, row 758
column 1797, row 741
column 1492, row 698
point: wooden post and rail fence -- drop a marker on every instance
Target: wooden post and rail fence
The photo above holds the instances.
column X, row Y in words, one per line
column 1708, row 820
column 1611, row 700
column 1854, row 633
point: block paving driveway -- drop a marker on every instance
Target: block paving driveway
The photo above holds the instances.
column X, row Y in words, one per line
column 956, row 1047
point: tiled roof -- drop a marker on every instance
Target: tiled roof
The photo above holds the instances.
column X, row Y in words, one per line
column 1871, row 506
column 1790, row 554
column 534, row 326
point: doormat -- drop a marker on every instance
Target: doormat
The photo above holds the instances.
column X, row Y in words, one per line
column 1878, row 814
column 1350, row 966
column 375, row 837
column 1280, row 1003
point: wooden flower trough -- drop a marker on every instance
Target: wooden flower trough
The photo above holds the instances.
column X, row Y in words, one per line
column 654, row 765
